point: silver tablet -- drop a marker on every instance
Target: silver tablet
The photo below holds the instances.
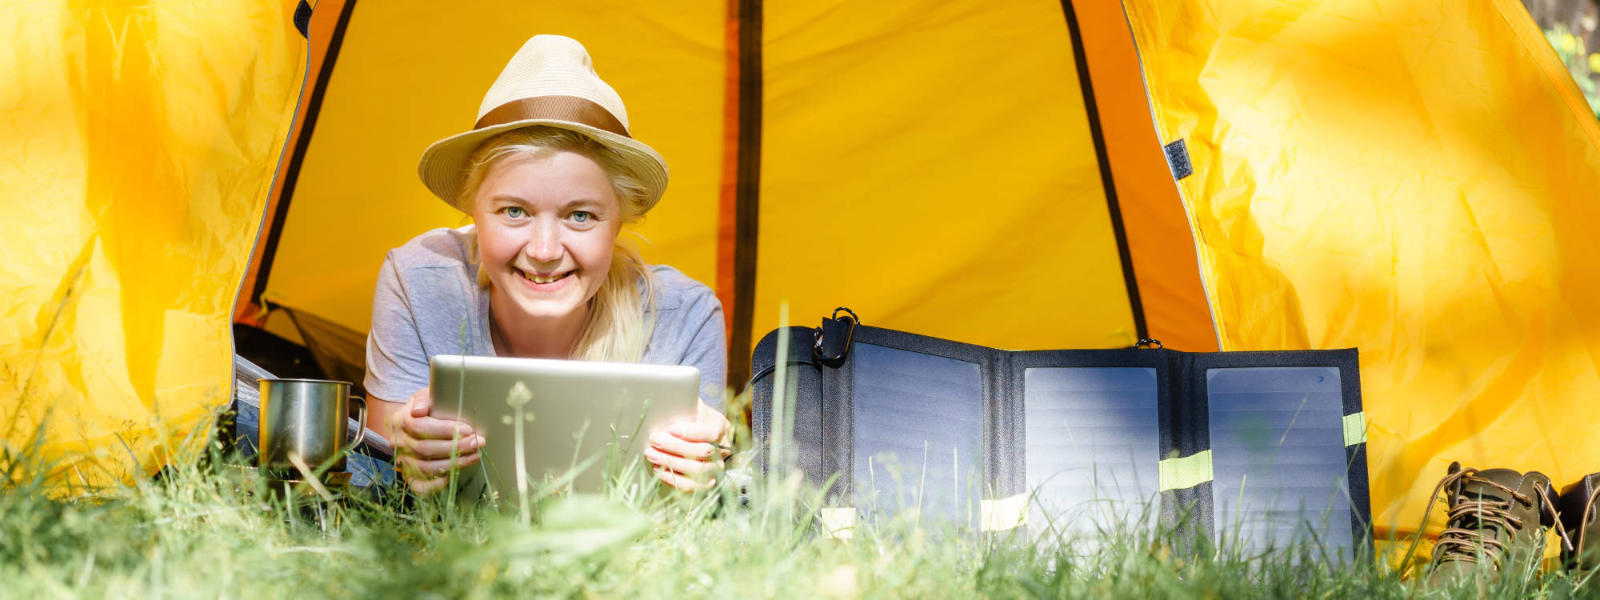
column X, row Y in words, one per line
column 581, row 420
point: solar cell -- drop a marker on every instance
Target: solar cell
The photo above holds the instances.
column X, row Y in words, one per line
column 1278, row 456
column 1092, row 444
column 918, row 422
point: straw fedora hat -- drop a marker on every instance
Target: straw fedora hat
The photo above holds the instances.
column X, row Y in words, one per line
column 549, row 81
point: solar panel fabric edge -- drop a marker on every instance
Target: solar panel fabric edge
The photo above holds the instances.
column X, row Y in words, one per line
column 805, row 375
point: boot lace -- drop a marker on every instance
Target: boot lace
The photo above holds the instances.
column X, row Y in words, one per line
column 1583, row 526
column 1467, row 533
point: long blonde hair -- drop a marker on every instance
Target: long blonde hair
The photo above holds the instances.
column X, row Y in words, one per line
column 617, row 328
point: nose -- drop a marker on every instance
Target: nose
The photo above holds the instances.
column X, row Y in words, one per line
column 544, row 247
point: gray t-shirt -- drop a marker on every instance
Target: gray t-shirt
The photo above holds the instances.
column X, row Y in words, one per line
column 428, row 302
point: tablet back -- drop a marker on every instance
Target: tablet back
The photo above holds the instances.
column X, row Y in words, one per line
column 593, row 416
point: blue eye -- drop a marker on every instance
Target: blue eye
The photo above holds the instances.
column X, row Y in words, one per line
column 514, row 212
column 582, row 216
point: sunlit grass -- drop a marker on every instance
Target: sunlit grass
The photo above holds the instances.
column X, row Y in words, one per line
column 214, row 528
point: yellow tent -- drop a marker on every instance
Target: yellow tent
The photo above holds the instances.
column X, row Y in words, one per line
column 141, row 141
column 1416, row 181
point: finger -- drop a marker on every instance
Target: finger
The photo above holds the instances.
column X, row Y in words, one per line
column 408, row 467
column 420, row 471
column 418, row 466
column 692, row 468
column 422, row 403
column 698, row 431
column 442, row 467
column 681, row 482
column 672, row 444
column 426, row 487
column 431, row 428
column 706, row 414
column 670, row 478
column 441, row 449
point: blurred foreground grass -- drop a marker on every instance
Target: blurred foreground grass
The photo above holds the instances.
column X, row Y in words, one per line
column 211, row 530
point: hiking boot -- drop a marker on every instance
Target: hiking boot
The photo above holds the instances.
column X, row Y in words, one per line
column 1578, row 518
column 1495, row 524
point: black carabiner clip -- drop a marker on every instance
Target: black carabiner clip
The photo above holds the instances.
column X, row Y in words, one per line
column 833, row 337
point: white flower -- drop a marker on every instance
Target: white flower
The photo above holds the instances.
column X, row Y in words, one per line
column 520, row 395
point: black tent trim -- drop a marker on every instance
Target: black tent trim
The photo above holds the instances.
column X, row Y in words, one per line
column 1107, row 182
column 292, row 174
column 302, row 19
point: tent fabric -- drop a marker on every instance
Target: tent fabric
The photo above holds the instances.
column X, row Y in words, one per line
column 1415, row 179
column 397, row 86
column 1161, row 250
column 141, row 142
column 859, row 172
column 820, row 126
column 322, row 23
column 915, row 170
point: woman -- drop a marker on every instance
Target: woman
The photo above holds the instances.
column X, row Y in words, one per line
column 549, row 176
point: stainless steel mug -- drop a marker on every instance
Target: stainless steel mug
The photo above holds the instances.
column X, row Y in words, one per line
column 307, row 417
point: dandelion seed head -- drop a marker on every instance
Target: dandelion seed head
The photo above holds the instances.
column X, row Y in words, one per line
column 520, row 395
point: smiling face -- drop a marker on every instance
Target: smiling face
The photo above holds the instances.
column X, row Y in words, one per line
column 546, row 225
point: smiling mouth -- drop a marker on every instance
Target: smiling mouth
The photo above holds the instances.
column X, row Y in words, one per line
column 542, row 279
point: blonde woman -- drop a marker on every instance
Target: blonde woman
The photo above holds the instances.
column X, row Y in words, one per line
column 549, row 175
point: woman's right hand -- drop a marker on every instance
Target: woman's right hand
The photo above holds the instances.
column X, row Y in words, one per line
column 423, row 444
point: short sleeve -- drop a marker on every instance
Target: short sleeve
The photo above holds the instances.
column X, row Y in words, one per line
column 707, row 349
column 397, row 366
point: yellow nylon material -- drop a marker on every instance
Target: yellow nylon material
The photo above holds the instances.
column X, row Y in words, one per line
column 140, row 145
column 1415, row 179
column 1355, row 429
column 1003, row 514
column 409, row 73
column 929, row 165
column 1185, row 472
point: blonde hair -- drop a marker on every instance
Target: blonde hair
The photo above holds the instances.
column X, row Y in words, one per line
column 617, row 328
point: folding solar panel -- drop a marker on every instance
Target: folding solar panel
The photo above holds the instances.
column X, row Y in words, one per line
column 1256, row 450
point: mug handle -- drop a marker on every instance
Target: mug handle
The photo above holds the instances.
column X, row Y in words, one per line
column 361, row 420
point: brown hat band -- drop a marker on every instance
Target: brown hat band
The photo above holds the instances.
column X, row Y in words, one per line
column 560, row 108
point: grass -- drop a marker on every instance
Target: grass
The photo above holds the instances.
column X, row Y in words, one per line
column 210, row 530
column 215, row 529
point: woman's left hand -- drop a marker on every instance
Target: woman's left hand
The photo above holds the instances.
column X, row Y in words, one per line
column 688, row 455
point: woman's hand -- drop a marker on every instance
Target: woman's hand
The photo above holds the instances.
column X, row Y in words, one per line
column 423, row 444
column 688, row 455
